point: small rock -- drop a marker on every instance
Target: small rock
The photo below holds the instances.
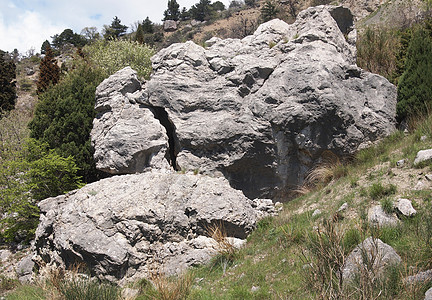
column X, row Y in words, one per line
column 343, row 207
column 25, row 269
column 254, row 288
column 170, row 25
column 419, row 277
column 423, row 138
column 404, row 206
column 212, row 41
column 378, row 217
column 400, row 163
column 316, row 212
column 423, row 156
column 129, row 293
column 428, row 295
column 29, row 71
column 428, row 177
column 379, row 253
column 420, row 186
column 4, row 255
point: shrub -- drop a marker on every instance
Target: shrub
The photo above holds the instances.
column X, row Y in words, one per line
column 64, row 118
column 415, row 84
column 114, row 55
column 7, row 84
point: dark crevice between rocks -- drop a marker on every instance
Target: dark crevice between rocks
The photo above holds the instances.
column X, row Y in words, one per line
column 173, row 142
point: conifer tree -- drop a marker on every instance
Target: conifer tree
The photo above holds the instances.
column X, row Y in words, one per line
column 49, row 71
column 173, row 11
column 269, row 11
column 415, row 84
column 7, row 82
column 115, row 30
column 148, row 26
column 139, row 35
column 201, row 11
column 44, row 46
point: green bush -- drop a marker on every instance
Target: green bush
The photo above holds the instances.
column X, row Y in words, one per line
column 114, row 55
column 387, row 205
column 64, row 118
column 415, row 84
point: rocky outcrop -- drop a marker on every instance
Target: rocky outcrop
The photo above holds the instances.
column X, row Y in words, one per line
column 259, row 111
column 379, row 218
column 127, row 138
column 123, row 226
column 423, row 156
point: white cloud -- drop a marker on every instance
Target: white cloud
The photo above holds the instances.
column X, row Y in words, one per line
column 28, row 30
column 26, row 24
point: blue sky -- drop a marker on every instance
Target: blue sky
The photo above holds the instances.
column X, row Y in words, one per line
column 25, row 24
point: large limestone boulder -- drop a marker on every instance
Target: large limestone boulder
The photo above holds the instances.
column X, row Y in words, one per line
column 127, row 138
column 262, row 110
column 123, row 226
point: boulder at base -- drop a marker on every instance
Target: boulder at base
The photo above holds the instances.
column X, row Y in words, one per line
column 261, row 111
column 123, row 226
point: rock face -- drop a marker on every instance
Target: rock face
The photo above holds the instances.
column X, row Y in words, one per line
column 423, row 156
column 127, row 137
column 379, row 254
column 260, row 111
column 123, row 226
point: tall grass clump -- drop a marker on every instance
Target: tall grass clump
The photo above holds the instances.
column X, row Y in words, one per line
column 377, row 49
column 89, row 289
column 114, row 55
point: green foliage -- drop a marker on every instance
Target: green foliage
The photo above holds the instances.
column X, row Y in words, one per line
column 378, row 191
column 201, row 11
column 111, row 56
column 415, row 84
column 269, row 11
column 49, row 71
column 139, row 35
column 7, row 84
column 49, row 174
column 64, row 118
column 250, row 3
column 115, row 30
column 27, row 292
column 148, row 26
column 173, row 11
column 387, row 205
column 66, row 37
column 45, row 46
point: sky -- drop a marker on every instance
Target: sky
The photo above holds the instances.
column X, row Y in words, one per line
column 26, row 24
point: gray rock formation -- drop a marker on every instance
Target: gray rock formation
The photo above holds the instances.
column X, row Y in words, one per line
column 428, row 294
column 378, row 217
column 421, row 277
column 261, row 111
column 123, row 226
column 379, row 254
column 127, row 137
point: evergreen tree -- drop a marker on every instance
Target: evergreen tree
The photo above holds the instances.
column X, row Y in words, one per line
column 139, row 35
column 68, row 37
column 64, row 118
column 49, row 71
column 415, row 84
column 7, row 82
column 201, row 11
column 147, row 26
column 173, row 11
column 269, row 11
column 115, row 30
column 184, row 15
column 44, row 46
column 218, row 6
